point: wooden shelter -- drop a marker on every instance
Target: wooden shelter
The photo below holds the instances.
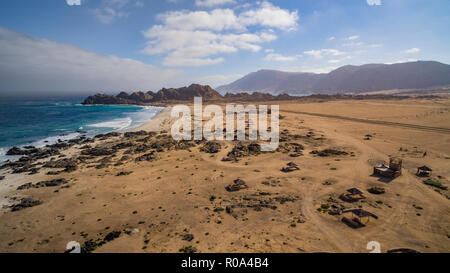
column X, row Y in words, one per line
column 394, row 170
column 360, row 218
column 424, row 171
column 237, row 185
column 352, row 195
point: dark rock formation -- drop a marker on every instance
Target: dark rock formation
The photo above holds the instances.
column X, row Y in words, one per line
column 43, row 184
column 25, row 203
column 211, row 147
column 138, row 98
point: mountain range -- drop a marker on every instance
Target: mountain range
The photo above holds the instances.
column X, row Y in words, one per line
column 346, row 79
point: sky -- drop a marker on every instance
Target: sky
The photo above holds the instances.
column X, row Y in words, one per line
column 69, row 46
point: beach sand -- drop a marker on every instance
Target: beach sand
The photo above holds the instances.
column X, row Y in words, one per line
column 160, row 122
column 179, row 200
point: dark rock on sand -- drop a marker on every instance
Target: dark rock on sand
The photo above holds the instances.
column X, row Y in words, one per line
column 98, row 151
column 290, row 147
column 328, row 152
column 69, row 165
column 241, row 150
column 43, row 184
column 188, row 249
column 135, row 134
column 108, row 135
column 376, row 190
column 112, row 235
column 211, row 147
column 25, row 203
column 147, row 157
column 124, row 173
column 188, row 237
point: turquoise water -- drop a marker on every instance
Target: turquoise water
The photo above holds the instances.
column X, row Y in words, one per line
column 42, row 122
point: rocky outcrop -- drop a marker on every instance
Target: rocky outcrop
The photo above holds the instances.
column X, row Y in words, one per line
column 171, row 94
column 179, row 94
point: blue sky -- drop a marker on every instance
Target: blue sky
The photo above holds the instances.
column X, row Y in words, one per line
column 112, row 45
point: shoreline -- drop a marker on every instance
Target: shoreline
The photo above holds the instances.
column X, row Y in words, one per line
column 160, row 122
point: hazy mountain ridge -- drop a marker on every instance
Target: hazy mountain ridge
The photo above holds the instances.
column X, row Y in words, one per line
column 349, row 78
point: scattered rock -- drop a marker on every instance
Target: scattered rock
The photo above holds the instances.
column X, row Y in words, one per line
column 211, row 147
column 188, row 237
column 98, row 151
column 328, row 152
column 241, row 150
column 135, row 134
column 69, row 165
column 25, row 203
column 188, row 249
column 124, row 173
column 147, row 157
column 42, row 184
column 376, row 190
column 112, row 235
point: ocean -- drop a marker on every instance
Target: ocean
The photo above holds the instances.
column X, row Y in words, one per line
column 41, row 122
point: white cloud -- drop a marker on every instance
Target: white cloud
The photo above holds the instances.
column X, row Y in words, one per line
column 108, row 15
column 354, row 37
column 270, row 16
column 412, row 50
column 73, row 2
column 116, row 3
column 373, row 2
column 334, row 61
column 331, row 38
column 318, row 70
column 192, row 38
column 318, row 54
column 217, row 80
column 219, row 19
column 269, row 50
column 280, row 58
column 353, row 44
column 63, row 68
column 212, row 3
column 179, row 61
column 402, row 61
column 111, row 10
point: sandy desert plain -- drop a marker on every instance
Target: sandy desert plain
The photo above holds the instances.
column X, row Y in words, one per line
column 143, row 192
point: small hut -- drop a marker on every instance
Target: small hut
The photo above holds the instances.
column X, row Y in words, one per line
column 424, row 171
column 360, row 218
column 352, row 195
column 237, row 185
column 394, row 170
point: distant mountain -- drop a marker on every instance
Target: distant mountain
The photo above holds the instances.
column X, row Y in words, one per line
column 354, row 79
